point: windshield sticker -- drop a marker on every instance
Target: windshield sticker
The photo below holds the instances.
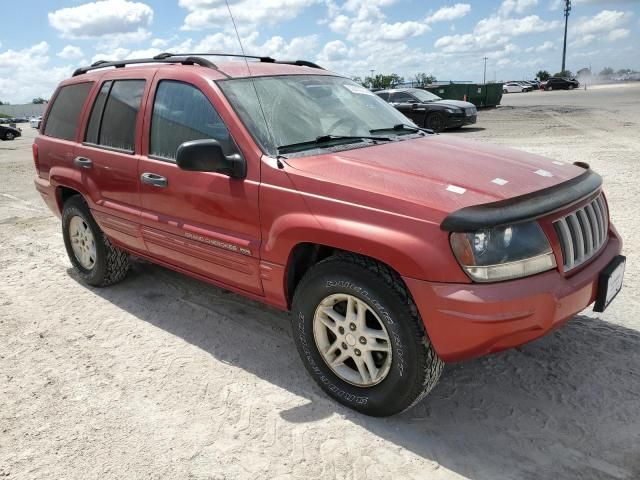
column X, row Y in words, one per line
column 456, row 189
column 358, row 89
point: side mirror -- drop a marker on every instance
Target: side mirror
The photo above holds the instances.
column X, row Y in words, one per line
column 207, row 156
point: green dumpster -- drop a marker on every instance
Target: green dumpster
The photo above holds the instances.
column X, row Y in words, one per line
column 487, row 95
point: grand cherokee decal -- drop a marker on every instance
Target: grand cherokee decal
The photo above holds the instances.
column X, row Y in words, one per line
column 218, row 243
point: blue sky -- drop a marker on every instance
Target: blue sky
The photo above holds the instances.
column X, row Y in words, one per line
column 42, row 42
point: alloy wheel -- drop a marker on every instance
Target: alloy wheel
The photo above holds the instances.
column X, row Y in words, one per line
column 82, row 242
column 352, row 340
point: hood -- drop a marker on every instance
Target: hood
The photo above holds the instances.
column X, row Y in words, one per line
column 441, row 173
column 453, row 103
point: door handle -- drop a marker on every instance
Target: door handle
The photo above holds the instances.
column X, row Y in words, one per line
column 83, row 162
column 153, row 179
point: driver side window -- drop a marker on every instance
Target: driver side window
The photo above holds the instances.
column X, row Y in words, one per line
column 181, row 112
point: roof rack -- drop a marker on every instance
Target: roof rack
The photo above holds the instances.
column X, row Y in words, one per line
column 122, row 63
column 299, row 63
column 187, row 59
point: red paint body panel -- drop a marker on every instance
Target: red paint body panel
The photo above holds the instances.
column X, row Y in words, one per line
column 385, row 201
column 466, row 321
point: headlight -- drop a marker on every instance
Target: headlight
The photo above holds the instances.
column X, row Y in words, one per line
column 503, row 253
column 453, row 111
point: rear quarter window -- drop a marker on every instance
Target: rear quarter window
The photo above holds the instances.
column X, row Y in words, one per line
column 62, row 120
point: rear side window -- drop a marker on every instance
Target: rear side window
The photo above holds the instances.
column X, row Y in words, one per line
column 181, row 112
column 401, row 97
column 62, row 120
column 384, row 96
column 113, row 118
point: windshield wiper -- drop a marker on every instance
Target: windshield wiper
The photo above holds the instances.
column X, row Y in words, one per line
column 402, row 127
column 328, row 138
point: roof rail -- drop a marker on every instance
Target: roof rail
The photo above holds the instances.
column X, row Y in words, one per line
column 165, row 55
column 184, row 60
column 187, row 59
column 300, row 63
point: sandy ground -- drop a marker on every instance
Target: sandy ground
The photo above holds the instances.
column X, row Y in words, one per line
column 165, row 377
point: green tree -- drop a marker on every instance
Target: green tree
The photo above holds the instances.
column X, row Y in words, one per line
column 564, row 74
column 422, row 80
column 38, row 101
column 384, row 81
column 606, row 72
column 543, row 75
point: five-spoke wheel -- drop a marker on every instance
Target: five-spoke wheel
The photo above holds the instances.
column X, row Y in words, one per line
column 352, row 339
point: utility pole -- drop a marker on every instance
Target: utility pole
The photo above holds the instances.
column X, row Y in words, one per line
column 567, row 9
column 484, row 77
column 371, row 77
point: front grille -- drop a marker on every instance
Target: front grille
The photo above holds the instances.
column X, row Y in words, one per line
column 583, row 233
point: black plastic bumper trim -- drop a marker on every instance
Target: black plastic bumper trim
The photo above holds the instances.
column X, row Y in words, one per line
column 523, row 208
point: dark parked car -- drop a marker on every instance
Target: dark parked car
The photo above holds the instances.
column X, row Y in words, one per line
column 8, row 132
column 557, row 83
column 429, row 110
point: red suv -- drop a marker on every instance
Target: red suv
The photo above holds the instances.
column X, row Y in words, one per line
column 395, row 249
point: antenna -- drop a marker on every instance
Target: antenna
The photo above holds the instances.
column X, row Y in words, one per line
column 253, row 82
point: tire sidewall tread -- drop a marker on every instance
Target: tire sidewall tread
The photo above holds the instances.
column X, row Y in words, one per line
column 112, row 263
column 415, row 366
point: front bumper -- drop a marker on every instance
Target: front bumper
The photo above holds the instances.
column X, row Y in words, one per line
column 461, row 120
column 469, row 320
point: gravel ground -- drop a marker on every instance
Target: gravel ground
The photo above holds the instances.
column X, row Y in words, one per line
column 165, row 377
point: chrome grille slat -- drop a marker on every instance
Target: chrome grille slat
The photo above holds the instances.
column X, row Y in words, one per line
column 576, row 236
column 587, row 230
column 582, row 233
column 594, row 221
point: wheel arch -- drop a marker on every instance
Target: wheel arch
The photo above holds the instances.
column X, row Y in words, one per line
column 305, row 255
column 64, row 193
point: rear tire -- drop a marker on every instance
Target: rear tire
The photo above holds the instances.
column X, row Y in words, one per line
column 383, row 365
column 94, row 258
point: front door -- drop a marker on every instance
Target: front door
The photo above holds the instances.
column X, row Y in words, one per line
column 409, row 106
column 205, row 223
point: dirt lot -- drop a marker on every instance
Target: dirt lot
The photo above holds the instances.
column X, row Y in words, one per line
column 165, row 377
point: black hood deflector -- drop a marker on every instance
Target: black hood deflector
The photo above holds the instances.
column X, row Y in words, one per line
column 523, row 208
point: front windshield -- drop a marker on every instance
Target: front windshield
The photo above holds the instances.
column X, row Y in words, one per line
column 425, row 96
column 301, row 108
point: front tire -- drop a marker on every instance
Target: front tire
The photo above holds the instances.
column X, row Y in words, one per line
column 9, row 136
column 94, row 258
column 361, row 338
column 436, row 122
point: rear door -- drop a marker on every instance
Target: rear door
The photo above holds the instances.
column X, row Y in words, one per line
column 110, row 153
column 203, row 222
